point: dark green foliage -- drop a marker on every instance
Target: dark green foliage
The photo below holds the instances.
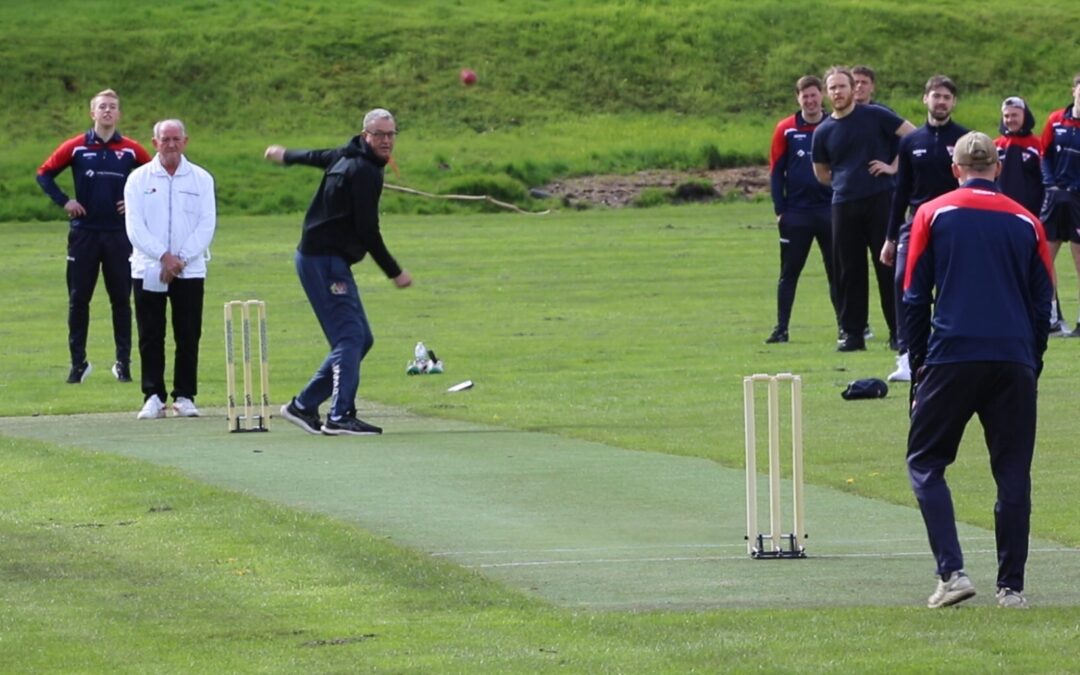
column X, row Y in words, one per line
column 499, row 186
column 694, row 191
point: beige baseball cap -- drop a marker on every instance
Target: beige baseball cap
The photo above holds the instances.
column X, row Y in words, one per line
column 976, row 150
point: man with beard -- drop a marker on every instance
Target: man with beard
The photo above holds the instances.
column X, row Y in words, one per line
column 924, row 172
column 852, row 153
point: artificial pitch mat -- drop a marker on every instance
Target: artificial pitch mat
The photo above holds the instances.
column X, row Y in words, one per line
column 580, row 524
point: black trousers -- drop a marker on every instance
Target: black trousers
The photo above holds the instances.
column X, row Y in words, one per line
column 1003, row 395
column 186, row 299
column 89, row 251
column 857, row 227
column 798, row 231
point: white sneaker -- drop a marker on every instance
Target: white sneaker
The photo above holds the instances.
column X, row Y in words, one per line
column 903, row 369
column 1011, row 599
column 184, row 407
column 153, row 409
column 955, row 589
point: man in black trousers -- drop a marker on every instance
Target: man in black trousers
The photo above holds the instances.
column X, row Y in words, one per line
column 977, row 290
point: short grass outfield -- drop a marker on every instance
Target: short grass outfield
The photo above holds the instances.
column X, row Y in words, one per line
column 594, row 468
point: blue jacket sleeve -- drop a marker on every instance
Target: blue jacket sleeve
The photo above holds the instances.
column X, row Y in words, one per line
column 48, row 183
column 776, row 186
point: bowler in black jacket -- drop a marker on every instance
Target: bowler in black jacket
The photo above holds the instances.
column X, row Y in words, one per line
column 340, row 228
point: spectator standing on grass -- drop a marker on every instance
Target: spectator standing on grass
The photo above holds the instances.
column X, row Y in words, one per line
column 171, row 219
column 978, row 281
column 1061, row 176
column 924, row 171
column 800, row 202
column 852, row 153
column 1020, row 153
column 864, row 84
column 340, row 228
column 100, row 160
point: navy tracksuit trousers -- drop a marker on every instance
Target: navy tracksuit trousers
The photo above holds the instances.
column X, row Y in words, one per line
column 90, row 252
column 1003, row 395
column 798, row 230
column 330, row 287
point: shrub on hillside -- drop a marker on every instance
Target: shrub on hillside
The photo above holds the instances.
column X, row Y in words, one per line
column 499, row 186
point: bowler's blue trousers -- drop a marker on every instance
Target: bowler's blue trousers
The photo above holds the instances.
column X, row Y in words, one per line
column 330, row 287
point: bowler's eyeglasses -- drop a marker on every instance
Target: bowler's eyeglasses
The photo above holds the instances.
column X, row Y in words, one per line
column 380, row 135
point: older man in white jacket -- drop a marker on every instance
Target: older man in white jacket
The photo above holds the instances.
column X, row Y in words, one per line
column 170, row 216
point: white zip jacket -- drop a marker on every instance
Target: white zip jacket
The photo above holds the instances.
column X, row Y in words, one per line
column 175, row 214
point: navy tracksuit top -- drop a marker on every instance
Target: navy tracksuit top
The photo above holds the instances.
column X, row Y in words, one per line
column 924, row 170
column 791, row 169
column 1061, row 150
column 100, row 169
column 995, row 309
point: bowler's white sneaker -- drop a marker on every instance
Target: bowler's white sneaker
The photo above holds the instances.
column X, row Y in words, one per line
column 955, row 589
column 184, row 407
column 153, row 409
column 903, row 369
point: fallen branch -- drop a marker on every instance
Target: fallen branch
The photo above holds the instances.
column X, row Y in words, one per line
column 468, row 198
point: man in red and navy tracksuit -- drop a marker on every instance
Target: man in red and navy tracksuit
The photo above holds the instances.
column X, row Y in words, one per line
column 1061, row 176
column 802, row 204
column 100, row 161
column 1020, row 152
column 981, row 262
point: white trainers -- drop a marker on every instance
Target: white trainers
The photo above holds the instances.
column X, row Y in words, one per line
column 1011, row 599
column 184, row 407
column 153, row 409
column 955, row 589
column 903, row 369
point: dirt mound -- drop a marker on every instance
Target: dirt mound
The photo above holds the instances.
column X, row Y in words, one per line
column 619, row 191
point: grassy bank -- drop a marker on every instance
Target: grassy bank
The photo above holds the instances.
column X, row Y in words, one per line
column 565, row 88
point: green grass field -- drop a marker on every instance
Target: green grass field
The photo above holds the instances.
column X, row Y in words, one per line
column 580, row 509
column 629, row 328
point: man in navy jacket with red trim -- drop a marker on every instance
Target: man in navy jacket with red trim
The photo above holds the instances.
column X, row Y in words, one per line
column 802, row 204
column 100, row 161
column 981, row 262
column 1061, row 176
column 923, row 172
